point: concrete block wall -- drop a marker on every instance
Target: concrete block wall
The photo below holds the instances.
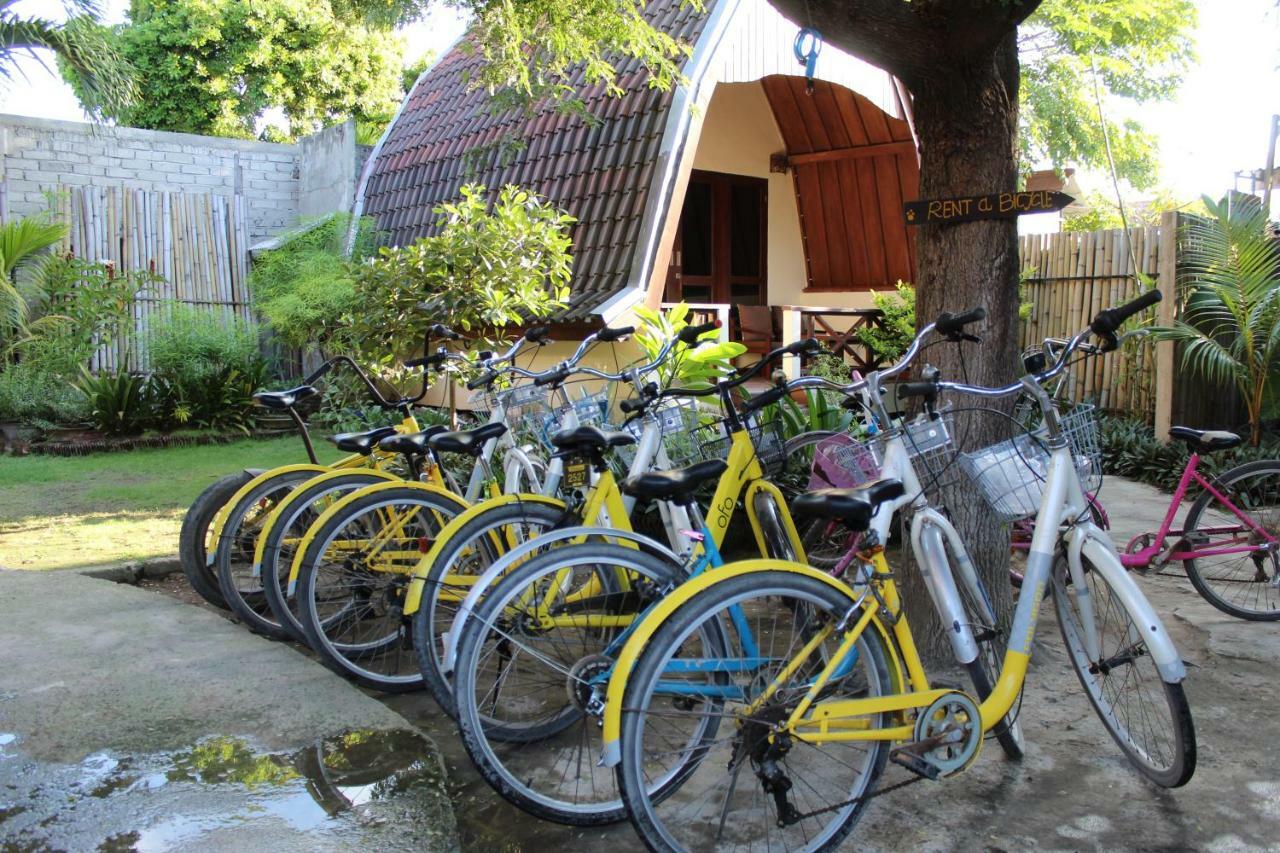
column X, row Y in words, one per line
column 279, row 183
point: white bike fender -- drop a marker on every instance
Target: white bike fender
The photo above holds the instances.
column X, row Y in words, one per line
column 1097, row 546
column 501, row 565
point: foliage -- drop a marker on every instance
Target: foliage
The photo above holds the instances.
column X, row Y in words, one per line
column 221, row 67
column 483, row 270
column 890, row 340
column 1141, row 49
column 205, row 369
column 305, row 289
column 1131, row 449
column 34, row 395
column 829, row 366
column 117, row 401
column 1103, row 214
column 1229, row 329
column 80, row 46
column 821, row 410
column 23, row 243
column 687, row 366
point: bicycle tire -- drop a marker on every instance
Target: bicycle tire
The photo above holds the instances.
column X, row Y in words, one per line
column 434, row 615
column 1234, row 573
column 1135, row 675
column 233, row 558
column 377, row 590
column 193, row 538
column 691, row 830
column 277, row 557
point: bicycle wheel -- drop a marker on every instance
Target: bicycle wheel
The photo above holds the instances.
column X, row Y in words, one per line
column 824, row 541
column 747, row 786
column 193, row 539
column 463, row 557
column 532, row 670
column 233, row 558
column 283, row 537
column 1244, row 585
column 354, row 577
column 1148, row 718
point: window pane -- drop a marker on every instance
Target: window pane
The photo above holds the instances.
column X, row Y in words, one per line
column 744, row 230
column 696, row 292
column 696, row 230
column 743, row 294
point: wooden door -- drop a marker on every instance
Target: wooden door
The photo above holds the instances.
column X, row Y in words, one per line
column 719, row 253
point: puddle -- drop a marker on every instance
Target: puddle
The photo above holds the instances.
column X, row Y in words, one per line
column 360, row 789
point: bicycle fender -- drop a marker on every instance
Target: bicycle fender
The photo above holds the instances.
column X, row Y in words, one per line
column 220, row 518
column 643, row 634
column 307, row 538
column 413, row 596
column 506, row 561
column 1088, row 540
column 757, row 488
column 260, row 546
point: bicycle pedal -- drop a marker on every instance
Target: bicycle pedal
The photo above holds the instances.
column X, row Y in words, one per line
column 903, row 757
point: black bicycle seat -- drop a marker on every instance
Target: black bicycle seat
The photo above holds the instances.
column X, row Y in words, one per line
column 468, row 441
column 284, row 399
column 1205, row 440
column 590, row 438
column 409, row 444
column 854, row 507
column 361, row 442
column 675, row 485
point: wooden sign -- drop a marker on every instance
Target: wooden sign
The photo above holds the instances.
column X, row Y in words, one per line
column 995, row 206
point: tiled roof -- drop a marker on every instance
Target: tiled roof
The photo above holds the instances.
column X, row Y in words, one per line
column 600, row 174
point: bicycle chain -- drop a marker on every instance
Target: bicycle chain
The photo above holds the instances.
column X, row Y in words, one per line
column 889, row 790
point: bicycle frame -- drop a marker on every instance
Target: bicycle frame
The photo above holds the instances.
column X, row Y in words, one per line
column 1147, row 556
column 1062, row 505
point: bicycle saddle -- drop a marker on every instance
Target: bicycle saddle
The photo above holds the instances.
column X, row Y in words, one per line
column 284, row 399
column 468, row 441
column 1205, row 440
column 361, row 442
column 409, row 444
column 592, row 438
column 675, row 485
column 854, row 507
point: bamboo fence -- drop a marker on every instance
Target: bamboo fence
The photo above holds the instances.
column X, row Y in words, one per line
column 1070, row 277
column 197, row 242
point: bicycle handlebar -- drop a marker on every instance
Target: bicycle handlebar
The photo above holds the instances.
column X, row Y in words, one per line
column 952, row 325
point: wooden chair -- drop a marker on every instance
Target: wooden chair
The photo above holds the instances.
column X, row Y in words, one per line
column 756, row 328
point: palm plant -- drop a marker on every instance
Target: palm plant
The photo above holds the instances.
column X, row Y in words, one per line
column 1230, row 323
column 22, row 251
column 82, row 46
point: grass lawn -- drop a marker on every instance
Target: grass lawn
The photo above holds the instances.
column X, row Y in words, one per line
column 61, row 512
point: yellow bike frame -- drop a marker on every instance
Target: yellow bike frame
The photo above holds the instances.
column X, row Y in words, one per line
column 377, row 459
column 814, row 721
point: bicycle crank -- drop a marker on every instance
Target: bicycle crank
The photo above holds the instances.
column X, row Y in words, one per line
column 948, row 738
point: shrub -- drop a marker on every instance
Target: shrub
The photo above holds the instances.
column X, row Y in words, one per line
column 1131, row 449
column 206, row 368
column 117, row 401
column 889, row 342
column 35, row 396
column 305, row 289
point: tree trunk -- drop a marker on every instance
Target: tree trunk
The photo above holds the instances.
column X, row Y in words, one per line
column 966, row 120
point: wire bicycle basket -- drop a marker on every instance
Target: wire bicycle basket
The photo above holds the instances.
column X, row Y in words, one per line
column 842, row 462
column 713, row 440
column 1011, row 474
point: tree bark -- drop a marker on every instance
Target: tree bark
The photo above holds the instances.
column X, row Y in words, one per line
column 966, row 118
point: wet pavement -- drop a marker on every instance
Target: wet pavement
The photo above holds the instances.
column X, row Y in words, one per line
column 130, row 720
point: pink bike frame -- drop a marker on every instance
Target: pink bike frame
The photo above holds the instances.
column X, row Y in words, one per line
column 1146, row 556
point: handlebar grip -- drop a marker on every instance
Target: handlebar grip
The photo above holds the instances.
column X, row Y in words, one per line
column 481, row 380
column 630, row 407
column 917, row 389
column 807, row 346
column 1111, row 319
column 1034, row 363
column 537, row 335
column 552, row 378
column 689, row 334
column 320, row 371
column 607, row 335
column 434, row 360
column 953, row 324
column 765, row 398
column 440, row 330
